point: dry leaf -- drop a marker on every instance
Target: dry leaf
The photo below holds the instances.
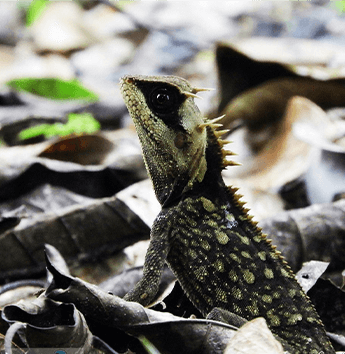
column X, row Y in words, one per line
column 44, row 323
column 80, row 232
column 254, row 337
column 281, row 158
column 84, row 149
column 257, row 92
column 324, row 178
column 110, row 312
column 311, row 271
column 312, row 233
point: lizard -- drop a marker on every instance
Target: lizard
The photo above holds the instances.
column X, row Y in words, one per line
column 218, row 253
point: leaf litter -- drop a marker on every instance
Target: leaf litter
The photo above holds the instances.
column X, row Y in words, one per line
column 39, row 213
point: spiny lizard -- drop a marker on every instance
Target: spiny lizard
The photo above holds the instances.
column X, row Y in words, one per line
column 218, row 254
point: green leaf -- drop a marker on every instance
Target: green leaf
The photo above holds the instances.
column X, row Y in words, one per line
column 150, row 348
column 339, row 6
column 77, row 124
column 53, row 88
column 35, row 10
column 33, row 131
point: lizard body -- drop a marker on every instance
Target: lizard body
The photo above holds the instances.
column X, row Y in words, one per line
column 218, row 254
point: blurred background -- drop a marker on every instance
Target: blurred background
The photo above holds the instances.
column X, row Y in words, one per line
column 67, row 142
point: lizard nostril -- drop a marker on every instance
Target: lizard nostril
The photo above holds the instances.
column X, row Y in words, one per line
column 129, row 80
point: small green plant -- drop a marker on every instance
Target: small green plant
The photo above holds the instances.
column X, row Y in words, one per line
column 35, row 10
column 77, row 124
column 53, row 88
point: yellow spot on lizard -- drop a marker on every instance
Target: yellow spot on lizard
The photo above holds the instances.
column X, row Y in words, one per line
column 248, row 276
column 207, row 204
column 268, row 273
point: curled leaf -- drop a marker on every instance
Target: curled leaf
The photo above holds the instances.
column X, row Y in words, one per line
column 103, row 309
column 45, row 323
column 257, row 92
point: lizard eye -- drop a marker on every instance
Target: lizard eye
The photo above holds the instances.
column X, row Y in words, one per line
column 164, row 100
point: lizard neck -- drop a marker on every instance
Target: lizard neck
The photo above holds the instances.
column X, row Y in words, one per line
column 212, row 186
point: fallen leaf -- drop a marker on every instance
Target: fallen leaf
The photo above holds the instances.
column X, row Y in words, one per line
column 254, row 337
column 79, row 232
column 311, row 271
column 312, row 233
column 329, row 301
column 324, row 178
column 238, row 72
column 44, row 323
column 272, row 157
column 101, row 308
column 84, row 149
column 265, row 88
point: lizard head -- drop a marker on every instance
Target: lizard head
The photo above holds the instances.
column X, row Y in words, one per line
column 171, row 131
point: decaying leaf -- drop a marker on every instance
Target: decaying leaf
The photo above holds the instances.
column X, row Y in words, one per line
column 84, row 149
column 254, row 337
column 103, row 309
column 308, row 275
column 79, row 232
column 44, row 323
column 266, row 89
column 281, row 156
column 117, row 157
column 324, row 179
column 238, row 72
column 15, row 291
column 312, row 233
column 329, row 301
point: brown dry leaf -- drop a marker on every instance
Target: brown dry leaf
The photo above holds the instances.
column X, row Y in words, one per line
column 84, row 149
column 257, row 92
column 254, row 337
column 237, row 73
column 283, row 156
column 267, row 102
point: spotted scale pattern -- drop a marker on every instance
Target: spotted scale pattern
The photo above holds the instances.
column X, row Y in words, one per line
column 222, row 266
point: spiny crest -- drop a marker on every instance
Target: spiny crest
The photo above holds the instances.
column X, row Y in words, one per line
column 240, row 204
column 214, row 125
column 195, row 90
